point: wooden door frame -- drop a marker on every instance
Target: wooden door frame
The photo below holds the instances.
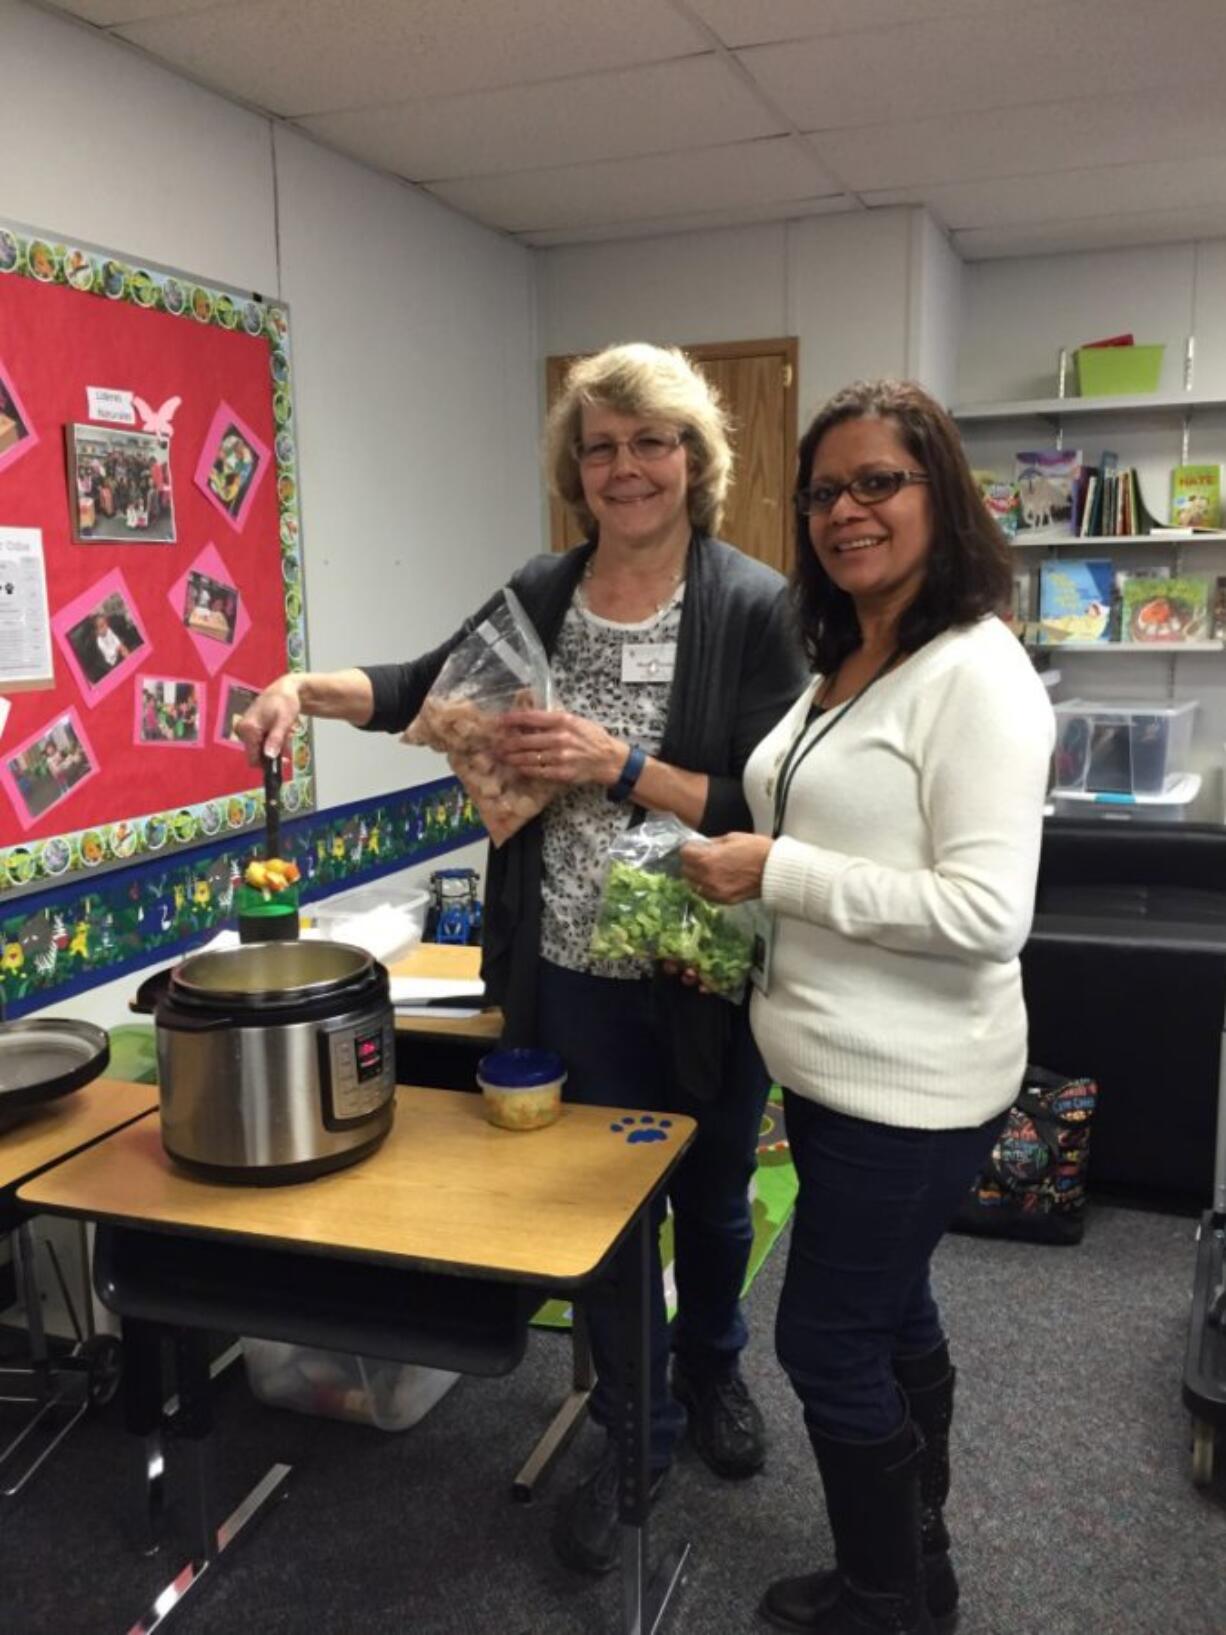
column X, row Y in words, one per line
column 786, row 347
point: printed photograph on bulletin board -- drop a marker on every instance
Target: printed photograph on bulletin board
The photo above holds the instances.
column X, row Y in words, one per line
column 150, row 558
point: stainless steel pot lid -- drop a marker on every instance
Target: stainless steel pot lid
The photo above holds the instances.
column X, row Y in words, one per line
column 272, row 973
column 43, row 1059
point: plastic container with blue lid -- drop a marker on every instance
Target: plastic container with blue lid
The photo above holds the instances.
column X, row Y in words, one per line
column 521, row 1088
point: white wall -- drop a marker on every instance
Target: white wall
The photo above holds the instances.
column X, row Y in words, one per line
column 1017, row 316
column 415, row 364
column 413, row 340
column 851, row 287
column 936, row 292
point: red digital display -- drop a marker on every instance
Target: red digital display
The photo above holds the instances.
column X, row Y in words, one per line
column 368, row 1048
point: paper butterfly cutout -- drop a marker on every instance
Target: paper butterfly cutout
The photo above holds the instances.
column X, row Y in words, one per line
column 156, row 420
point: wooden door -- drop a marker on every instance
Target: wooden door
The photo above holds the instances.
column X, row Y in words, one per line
column 757, row 383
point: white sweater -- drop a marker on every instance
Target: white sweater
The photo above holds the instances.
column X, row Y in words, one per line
column 903, row 885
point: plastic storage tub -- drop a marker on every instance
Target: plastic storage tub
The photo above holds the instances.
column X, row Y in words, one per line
column 387, row 920
column 1173, row 806
column 1121, row 748
column 364, row 1390
column 1118, row 371
column 521, row 1089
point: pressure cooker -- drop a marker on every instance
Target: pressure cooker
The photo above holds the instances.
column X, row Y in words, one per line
column 276, row 1060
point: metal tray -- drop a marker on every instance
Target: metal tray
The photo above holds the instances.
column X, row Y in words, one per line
column 40, row 1060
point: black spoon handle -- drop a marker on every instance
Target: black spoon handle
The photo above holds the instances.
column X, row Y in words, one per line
column 272, row 804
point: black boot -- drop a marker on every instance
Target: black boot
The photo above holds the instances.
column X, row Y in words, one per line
column 873, row 1501
column 928, row 1384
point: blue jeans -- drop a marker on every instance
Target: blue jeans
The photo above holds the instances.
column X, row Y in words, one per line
column 616, row 1053
column 874, row 1202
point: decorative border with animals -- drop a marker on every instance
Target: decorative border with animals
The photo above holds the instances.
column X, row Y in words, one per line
column 61, row 941
column 147, row 438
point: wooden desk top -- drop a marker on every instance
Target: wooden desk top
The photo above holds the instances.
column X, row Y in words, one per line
column 446, row 1191
column 59, row 1128
column 454, row 960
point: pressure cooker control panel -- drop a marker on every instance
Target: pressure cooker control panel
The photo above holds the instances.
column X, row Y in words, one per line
column 361, row 1070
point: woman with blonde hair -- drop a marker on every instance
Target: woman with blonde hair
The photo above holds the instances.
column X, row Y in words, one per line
column 673, row 654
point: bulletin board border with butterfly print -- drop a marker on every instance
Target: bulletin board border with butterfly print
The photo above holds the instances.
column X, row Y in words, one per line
column 147, row 447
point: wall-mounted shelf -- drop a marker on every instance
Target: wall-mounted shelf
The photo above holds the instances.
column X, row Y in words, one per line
column 1023, row 542
column 1057, row 408
column 1168, row 650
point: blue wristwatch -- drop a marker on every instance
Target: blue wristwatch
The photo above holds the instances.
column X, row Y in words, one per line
column 635, row 762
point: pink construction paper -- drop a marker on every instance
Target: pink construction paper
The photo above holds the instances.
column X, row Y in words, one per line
column 25, row 444
column 213, row 653
column 9, row 783
column 219, row 733
column 170, row 743
column 222, row 422
column 78, row 609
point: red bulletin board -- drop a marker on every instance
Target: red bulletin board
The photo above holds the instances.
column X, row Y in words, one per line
column 131, row 749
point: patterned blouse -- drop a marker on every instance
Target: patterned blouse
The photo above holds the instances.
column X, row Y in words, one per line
column 581, row 824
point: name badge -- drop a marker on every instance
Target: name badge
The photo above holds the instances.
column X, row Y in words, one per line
column 649, row 661
column 763, row 949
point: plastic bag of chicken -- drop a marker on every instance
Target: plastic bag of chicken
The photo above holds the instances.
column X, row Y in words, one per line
column 500, row 666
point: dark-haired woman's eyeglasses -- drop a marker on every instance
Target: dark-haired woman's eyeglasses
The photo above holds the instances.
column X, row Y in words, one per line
column 647, row 446
column 870, row 488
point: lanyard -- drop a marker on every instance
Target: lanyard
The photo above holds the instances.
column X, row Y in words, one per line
column 801, row 749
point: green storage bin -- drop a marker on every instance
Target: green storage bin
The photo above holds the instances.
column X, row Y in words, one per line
column 1118, row 371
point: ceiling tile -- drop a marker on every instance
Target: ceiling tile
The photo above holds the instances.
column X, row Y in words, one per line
column 739, row 24
column 740, row 216
column 312, row 56
column 1016, row 141
column 1101, row 233
column 694, row 103
column 106, row 13
column 1036, row 53
column 620, row 190
column 1071, row 195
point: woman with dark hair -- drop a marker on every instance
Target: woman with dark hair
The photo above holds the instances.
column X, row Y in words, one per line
column 899, row 812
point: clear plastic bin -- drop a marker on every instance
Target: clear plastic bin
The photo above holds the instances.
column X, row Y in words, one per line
column 1175, row 805
column 387, row 920
column 1121, row 749
column 390, row 1396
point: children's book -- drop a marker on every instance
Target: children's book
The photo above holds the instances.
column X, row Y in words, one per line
column 1092, row 484
column 1000, row 497
column 1074, row 601
column 1165, row 610
column 1196, row 497
column 1048, row 482
column 1023, row 600
column 1104, row 505
column 1122, row 576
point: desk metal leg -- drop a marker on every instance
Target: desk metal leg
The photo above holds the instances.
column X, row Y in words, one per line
column 644, row 1600
column 194, row 1424
column 37, row 1384
column 569, row 1416
column 142, row 1410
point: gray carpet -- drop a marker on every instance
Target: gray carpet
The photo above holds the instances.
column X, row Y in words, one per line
column 1073, row 1510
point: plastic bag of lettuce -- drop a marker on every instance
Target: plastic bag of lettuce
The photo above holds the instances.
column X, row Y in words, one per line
column 648, row 911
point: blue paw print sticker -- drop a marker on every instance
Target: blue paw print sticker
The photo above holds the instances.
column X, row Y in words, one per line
column 645, row 1128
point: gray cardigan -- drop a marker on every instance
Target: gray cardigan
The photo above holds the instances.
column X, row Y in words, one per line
column 739, row 667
